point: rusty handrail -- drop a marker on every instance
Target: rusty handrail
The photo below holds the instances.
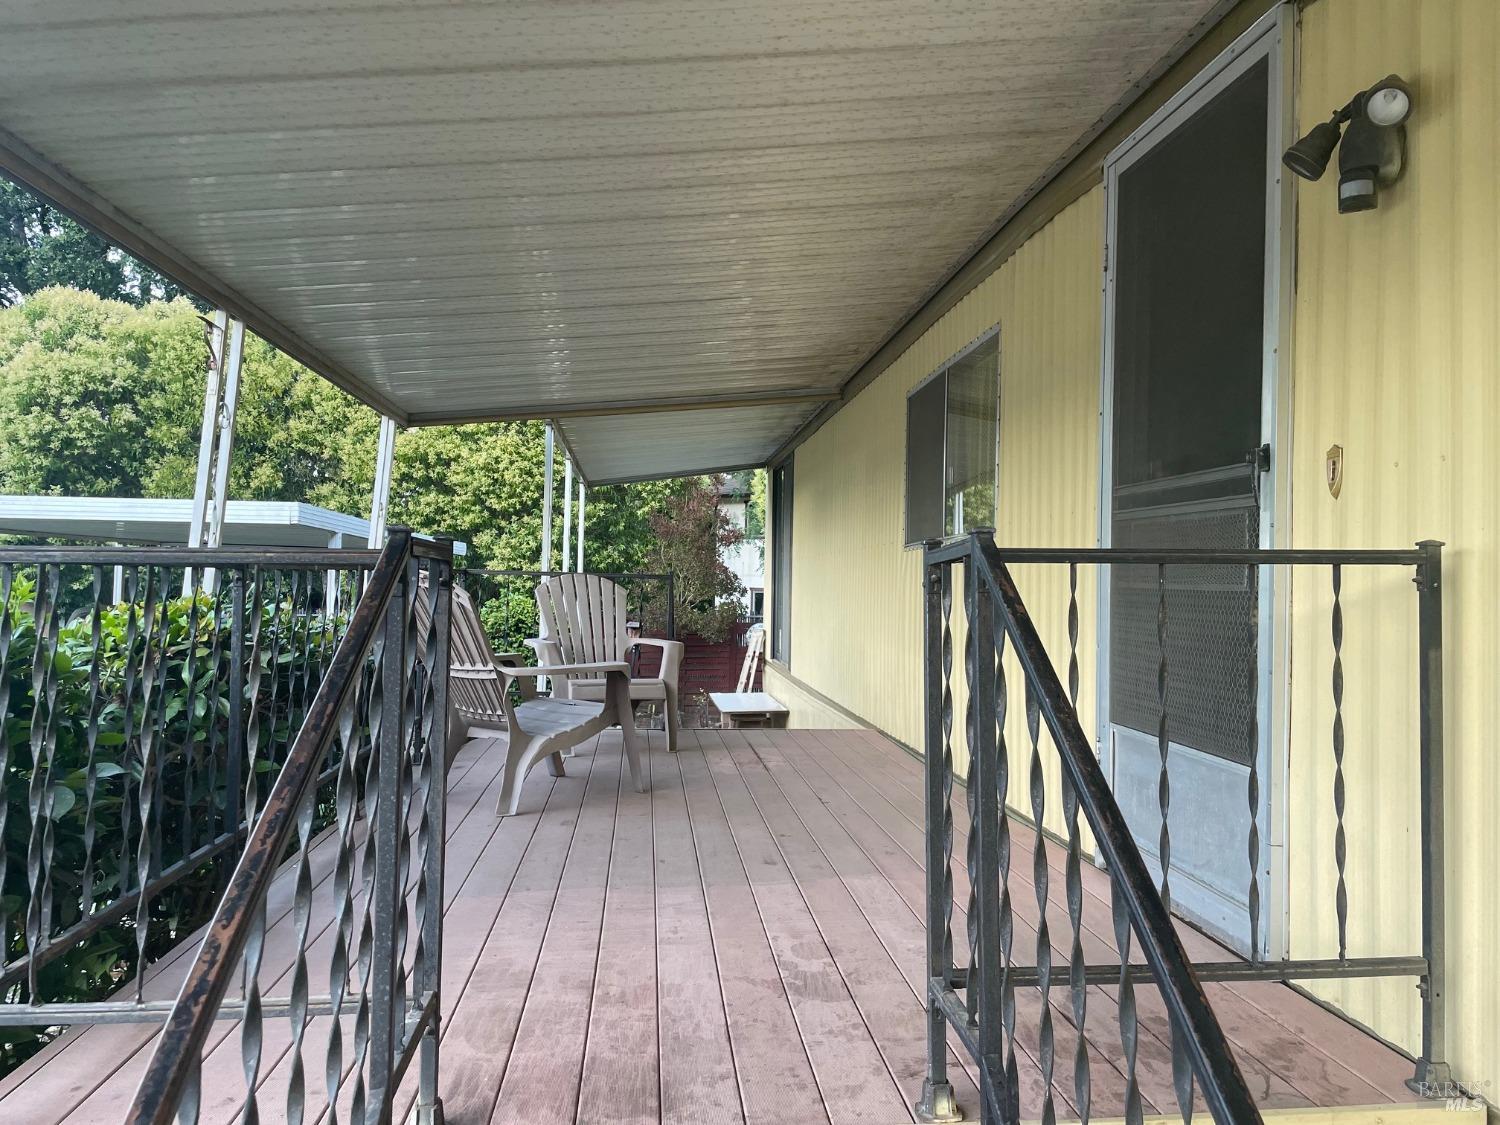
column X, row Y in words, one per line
column 175, row 1061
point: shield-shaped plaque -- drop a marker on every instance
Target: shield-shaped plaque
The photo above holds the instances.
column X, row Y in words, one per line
column 1333, row 470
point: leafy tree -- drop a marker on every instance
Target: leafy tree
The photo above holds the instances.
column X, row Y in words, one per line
column 101, row 398
column 41, row 247
column 691, row 534
column 482, row 483
column 755, row 509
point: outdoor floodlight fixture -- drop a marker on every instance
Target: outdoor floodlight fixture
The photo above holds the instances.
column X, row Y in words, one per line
column 1373, row 147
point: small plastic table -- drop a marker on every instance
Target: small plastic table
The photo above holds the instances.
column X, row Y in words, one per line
column 748, row 709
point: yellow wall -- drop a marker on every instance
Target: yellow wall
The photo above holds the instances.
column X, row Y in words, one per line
column 849, row 567
column 1395, row 358
column 805, row 711
column 1397, row 355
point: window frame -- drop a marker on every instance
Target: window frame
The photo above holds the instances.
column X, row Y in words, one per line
column 782, row 494
column 941, row 372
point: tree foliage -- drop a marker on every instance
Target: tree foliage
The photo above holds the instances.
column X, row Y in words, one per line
column 42, row 247
column 102, row 398
column 691, row 534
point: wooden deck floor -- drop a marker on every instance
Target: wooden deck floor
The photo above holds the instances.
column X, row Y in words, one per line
column 743, row 943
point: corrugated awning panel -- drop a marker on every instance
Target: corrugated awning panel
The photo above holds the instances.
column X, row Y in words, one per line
column 485, row 210
column 679, row 442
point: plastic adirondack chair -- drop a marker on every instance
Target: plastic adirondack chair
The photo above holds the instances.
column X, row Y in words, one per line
column 583, row 619
column 479, row 686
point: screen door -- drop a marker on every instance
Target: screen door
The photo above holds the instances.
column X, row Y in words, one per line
column 1187, row 377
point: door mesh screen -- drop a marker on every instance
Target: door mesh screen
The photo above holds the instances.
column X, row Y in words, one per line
column 1189, row 283
column 1211, row 631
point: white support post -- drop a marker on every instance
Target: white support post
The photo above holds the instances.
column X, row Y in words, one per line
column 220, row 502
column 117, row 588
column 567, row 511
column 581, row 500
column 547, row 502
column 221, row 400
column 208, row 429
column 380, row 498
column 331, row 579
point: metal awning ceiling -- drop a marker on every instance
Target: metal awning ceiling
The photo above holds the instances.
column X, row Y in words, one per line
column 476, row 210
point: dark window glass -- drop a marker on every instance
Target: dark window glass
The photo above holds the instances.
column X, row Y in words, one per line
column 952, row 436
column 973, row 428
column 924, row 461
column 781, row 563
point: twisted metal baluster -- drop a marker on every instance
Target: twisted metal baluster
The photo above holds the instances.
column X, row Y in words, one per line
column 275, row 744
column 1077, row 979
column 148, row 795
column 252, row 1029
column 409, row 715
column 424, row 750
column 346, row 800
column 1182, row 1070
column 946, row 599
column 1129, row 1026
column 363, row 1047
column 7, row 581
column 254, row 614
column 43, row 755
column 945, row 596
column 128, row 751
column 1048, row 1044
column 91, row 743
column 971, row 851
column 1252, row 788
column 192, row 750
column 1340, row 848
column 296, row 1094
column 216, row 661
column 1007, row 923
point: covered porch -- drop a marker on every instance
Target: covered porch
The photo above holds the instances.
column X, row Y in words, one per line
column 744, row 942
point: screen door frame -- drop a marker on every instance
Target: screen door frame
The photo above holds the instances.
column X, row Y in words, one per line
column 1273, row 39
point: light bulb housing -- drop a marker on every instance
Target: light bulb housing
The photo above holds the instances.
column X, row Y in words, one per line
column 1309, row 157
column 1388, row 102
column 1370, row 136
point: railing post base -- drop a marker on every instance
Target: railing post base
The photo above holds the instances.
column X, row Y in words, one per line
column 1433, row 1080
column 431, row 1114
column 937, row 1103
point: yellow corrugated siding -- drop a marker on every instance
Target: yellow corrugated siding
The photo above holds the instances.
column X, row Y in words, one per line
column 856, row 595
column 1397, row 356
column 805, row 711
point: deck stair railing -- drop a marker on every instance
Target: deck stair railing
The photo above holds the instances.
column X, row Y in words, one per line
column 361, row 794
column 1023, row 1014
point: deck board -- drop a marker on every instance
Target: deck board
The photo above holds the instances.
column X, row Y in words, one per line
column 742, row 943
column 774, row 1074
column 846, row 1061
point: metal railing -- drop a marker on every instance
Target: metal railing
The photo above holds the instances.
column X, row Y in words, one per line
column 979, row 1001
column 137, row 738
column 378, row 722
column 506, row 601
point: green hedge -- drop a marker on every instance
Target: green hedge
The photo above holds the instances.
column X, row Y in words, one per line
column 100, row 703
